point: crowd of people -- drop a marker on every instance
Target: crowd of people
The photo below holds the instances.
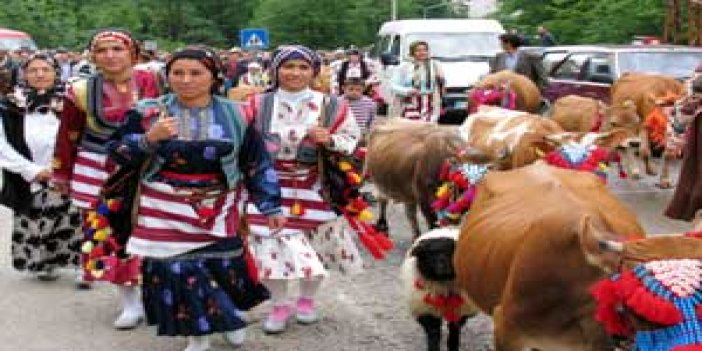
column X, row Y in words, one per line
column 133, row 168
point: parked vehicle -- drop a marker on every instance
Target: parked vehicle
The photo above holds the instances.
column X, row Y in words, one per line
column 13, row 39
column 462, row 46
column 591, row 70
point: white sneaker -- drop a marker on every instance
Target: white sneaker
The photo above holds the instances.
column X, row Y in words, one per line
column 128, row 320
column 277, row 320
column 236, row 338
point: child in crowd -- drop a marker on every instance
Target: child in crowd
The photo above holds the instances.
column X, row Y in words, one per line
column 362, row 107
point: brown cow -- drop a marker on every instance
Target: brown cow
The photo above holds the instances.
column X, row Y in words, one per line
column 528, row 253
column 404, row 157
column 528, row 94
column 650, row 94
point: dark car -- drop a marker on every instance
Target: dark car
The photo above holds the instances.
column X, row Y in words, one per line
column 590, row 71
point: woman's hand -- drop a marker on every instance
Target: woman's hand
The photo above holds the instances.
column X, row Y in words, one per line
column 164, row 128
column 61, row 187
column 276, row 223
column 319, row 135
column 43, row 176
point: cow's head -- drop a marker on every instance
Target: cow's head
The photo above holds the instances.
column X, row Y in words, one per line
column 590, row 152
column 655, row 297
column 625, row 117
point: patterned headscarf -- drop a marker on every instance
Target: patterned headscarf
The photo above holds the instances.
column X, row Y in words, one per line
column 29, row 98
column 206, row 56
column 294, row 52
column 116, row 34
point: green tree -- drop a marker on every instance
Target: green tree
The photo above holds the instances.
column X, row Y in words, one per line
column 585, row 21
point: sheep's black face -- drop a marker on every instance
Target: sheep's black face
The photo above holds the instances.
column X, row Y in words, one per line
column 435, row 259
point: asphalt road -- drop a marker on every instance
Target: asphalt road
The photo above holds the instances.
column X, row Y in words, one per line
column 363, row 312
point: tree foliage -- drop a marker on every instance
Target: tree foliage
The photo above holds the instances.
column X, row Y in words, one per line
column 585, row 21
column 318, row 23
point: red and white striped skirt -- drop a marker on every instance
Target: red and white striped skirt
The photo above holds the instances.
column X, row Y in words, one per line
column 89, row 175
column 172, row 221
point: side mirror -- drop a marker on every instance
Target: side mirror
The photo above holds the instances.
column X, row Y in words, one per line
column 389, row 59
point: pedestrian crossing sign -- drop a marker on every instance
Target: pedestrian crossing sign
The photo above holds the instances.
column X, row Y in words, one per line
column 254, row 38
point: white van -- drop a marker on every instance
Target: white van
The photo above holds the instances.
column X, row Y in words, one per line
column 464, row 48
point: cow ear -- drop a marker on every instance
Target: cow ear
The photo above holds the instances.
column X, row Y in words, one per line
column 612, row 138
column 598, row 251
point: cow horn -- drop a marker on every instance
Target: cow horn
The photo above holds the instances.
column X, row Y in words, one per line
column 611, row 246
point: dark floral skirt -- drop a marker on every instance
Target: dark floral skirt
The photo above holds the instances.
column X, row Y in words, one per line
column 201, row 292
column 48, row 236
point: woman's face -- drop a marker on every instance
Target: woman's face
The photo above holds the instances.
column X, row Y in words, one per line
column 190, row 79
column 421, row 52
column 112, row 56
column 40, row 75
column 295, row 75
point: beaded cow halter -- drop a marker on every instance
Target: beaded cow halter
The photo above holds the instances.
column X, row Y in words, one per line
column 666, row 292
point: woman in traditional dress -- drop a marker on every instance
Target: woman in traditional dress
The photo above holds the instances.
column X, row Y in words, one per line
column 197, row 275
column 417, row 86
column 95, row 107
column 46, row 230
column 296, row 122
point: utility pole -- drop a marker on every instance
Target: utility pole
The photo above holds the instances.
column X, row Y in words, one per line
column 394, row 10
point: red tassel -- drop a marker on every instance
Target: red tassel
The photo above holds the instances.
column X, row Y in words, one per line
column 444, row 172
column 205, row 213
column 608, row 299
column 370, row 244
column 696, row 347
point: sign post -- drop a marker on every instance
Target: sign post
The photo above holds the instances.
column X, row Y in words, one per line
column 254, row 38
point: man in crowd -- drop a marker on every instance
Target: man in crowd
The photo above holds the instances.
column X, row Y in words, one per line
column 353, row 67
column 519, row 62
column 546, row 38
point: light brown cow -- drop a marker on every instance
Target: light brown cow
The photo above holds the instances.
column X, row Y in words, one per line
column 582, row 114
column 529, row 252
column 528, row 94
column 649, row 93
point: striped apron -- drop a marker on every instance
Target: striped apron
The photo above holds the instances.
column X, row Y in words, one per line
column 173, row 220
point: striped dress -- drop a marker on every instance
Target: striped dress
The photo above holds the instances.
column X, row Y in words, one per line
column 364, row 110
column 314, row 237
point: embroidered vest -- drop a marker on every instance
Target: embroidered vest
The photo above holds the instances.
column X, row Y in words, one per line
column 263, row 112
column 226, row 112
column 88, row 95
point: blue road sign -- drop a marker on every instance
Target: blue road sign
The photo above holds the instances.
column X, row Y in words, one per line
column 254, row 38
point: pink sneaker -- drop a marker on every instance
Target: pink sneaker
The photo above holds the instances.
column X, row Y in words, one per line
column 277, row 320
column 306, row 312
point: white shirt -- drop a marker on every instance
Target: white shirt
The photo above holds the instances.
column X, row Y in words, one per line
column 40, row 135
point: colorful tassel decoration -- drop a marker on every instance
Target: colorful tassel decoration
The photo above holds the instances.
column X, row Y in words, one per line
column 297, row 209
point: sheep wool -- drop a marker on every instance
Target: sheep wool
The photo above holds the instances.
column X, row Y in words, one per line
column 439, row 299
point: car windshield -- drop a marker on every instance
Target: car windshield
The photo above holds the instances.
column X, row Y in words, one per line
column 458, row 45
column 15, row 43
column 675, row 64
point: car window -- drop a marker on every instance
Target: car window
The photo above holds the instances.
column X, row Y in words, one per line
column 550, row 59
column 395, row 47
column 383, row 45
column 571, row 68
column 599, row 69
